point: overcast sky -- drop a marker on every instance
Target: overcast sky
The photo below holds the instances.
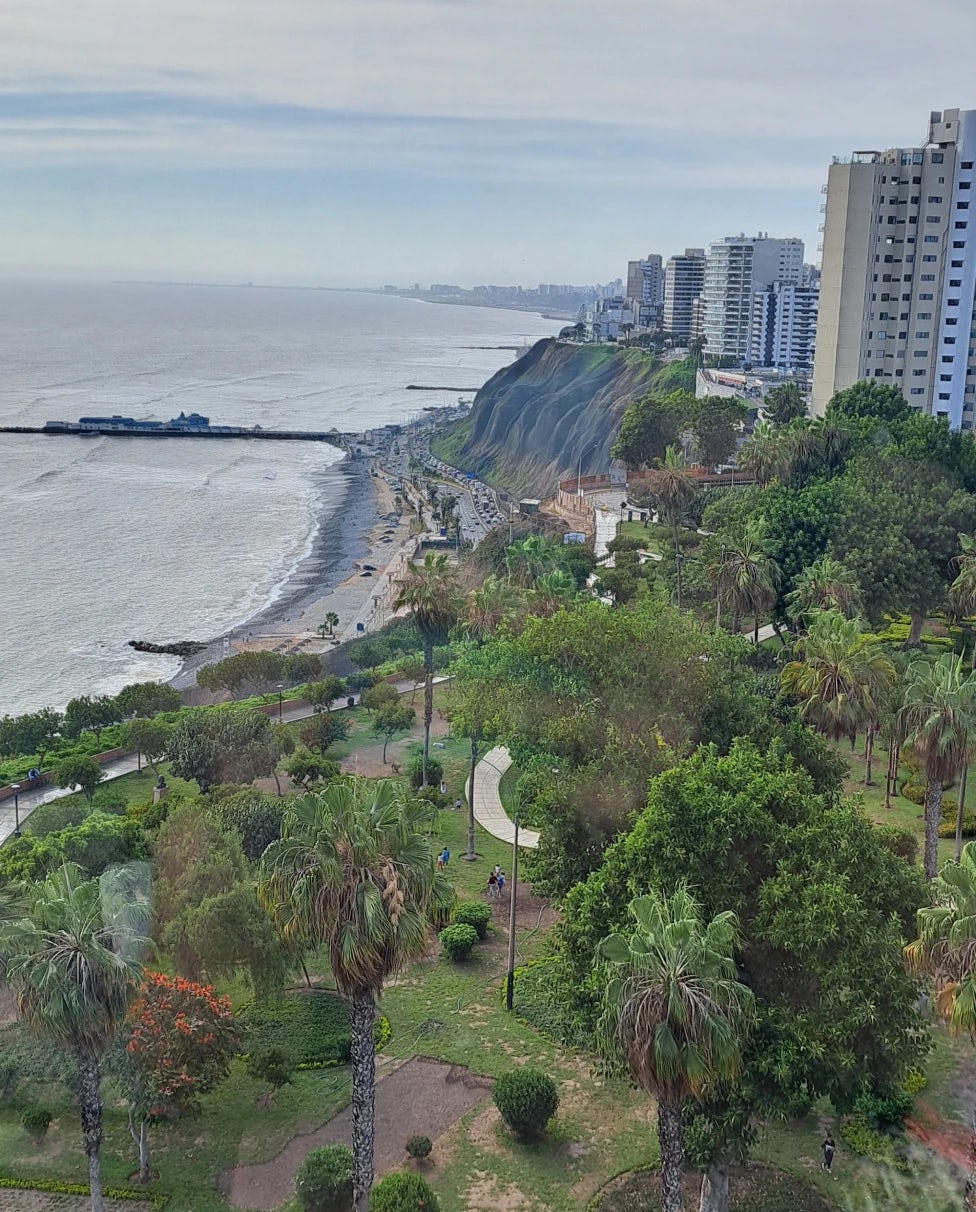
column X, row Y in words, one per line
column 368, row 141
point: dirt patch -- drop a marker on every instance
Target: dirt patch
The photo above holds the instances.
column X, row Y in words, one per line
column 750, row 1187
column 44, row 1201
column 487, row 1191
column 945, row 1137
column 421, row 1097
column 8, row 1005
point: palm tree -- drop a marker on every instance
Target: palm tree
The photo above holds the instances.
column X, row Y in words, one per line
column 354, row 871
column 333, row 620
column 676, row 1010
column 940, row 721
column 672, row 488
column 529, row 558
column 551, row 592
column 430, row 592
column 487, row 607
column 785, row 403
column 75, row 972
column 841, row 678
column 826, row 584
column 747, row 577
column 962, row 591
column 945, row 953
column 766, row 455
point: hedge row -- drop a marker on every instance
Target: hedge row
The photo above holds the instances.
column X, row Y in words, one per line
column 310, row 1027
column 54, row 1186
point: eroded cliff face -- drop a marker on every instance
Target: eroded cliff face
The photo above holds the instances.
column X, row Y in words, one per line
column 532, row 421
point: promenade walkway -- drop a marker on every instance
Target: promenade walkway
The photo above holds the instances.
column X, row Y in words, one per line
column 489, row 811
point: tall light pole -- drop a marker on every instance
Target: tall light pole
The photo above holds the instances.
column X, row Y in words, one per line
column 579, row 468
column 281, row 687
column 510, row 983
column 15, row 788
column 718, row 592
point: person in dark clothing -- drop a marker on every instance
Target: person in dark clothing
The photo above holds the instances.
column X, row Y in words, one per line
column 829, row 1149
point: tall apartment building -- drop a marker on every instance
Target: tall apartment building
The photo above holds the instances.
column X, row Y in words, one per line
column 735, row 269
column 645, row 279
column 684, row 277
column 899, row 272
column 784, row 326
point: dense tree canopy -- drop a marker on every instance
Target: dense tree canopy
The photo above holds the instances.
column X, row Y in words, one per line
column 228, row 745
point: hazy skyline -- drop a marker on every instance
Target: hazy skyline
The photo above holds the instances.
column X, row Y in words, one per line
column 348, row 142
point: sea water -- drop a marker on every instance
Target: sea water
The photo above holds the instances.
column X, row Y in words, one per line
column 103, row 540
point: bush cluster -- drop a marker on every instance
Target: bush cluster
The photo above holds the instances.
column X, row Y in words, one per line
column 419, row 1147
column 36, row 1120
column 54, row 1186
column 403, row 1191
column 915, row 1081
column 526, row 1099
column 457, row 942
column 312, row 1028
column 536, row 1001
column 861, row 1138
column 415, row 771
column 475, row 914
column 324, row 1180
column 888, row 1110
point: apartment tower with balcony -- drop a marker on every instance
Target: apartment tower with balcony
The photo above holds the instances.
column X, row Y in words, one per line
column 684, row 277
column 735, row 269
column 899, row 272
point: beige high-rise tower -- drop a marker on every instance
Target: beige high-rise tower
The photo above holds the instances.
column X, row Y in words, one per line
column 899, row 272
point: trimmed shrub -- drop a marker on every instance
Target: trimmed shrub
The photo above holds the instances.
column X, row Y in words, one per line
column 36, row 1120
column 901, row 842
column 324, row 1180
column 915, row 1080
column 538, row 1001
column 948, row 828
column 419, row 1147
column 475, row 914
column 888, row 1110
column 914, row 792
column 861, row 1138
column 457, row 942
column 402, row 1191
column 415, row 771
column 271, row 1065
column 527, row 1099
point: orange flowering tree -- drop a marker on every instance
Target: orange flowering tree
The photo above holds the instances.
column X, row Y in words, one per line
column 181, row 1039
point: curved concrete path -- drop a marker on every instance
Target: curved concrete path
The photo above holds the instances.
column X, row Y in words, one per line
column 489, row 811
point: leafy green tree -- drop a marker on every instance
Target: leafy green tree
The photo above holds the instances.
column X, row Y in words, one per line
column 33, row 733
column 325, row 730
column 784, row 403
column 649, row 426
column 244, row 673
column 390, row 722
column 939, row 721
column 746, row 830
column 716, row 422
column 223, row 745
column 323, row 693
column 301, row 667
column 207, row 916
column 149, row 738
column 551, row 592
column 826, row 584
column 381, row 694
column 869, row 398
column 74, row 971
column 430, row 592
column 529, row 558
column 147, row 699
column 354, row 871
column 80, row 771
column 841, row 677
column 251, row 814
column 86, row 714
column 945, row 953
column 305, row 769
column 677, row 1012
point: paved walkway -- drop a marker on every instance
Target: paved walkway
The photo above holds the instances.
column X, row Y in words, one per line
column 489, row 811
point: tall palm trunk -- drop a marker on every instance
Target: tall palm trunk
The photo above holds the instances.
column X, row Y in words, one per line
column 969, row 1191
column 933, row 817
column 90, row 1092
column 475, row 737
column 915, row 629
column 891, row 778
column 362, row 1014
column 669, row 1135
column 961, row 811
column 428, row 702
column 868, row 754
column 715, row 1188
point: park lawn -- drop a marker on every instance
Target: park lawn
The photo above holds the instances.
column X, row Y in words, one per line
column 137, row 787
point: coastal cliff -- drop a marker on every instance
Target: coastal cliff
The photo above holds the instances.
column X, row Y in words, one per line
column 532, row 421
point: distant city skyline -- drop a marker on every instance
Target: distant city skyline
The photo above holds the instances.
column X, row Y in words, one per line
column 388, row 141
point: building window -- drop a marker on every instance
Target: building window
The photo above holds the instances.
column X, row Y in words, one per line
column 945, row 378
column 937, row 158
column 948, row 340
column 958, row 243
column 935, row 197
column 918, row 391
column 922, row 336
column 944, row 395
column 931, row 240
column 925, row 297
column 924, row 315
column 952, row 320
column 948, row 358
column 928, row 277
column 917, row 373
column 916, row 181
column 962, row 206
column 960, row 226
column 955, row 265
column 920, row 353
column 930, row 219
column 954, row 282
column 929, row 257
column 967, row 164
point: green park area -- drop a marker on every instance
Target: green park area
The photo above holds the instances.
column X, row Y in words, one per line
column 742, row 974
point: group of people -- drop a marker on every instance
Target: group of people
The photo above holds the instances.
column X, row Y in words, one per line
column 496, row 883
column 443, row 859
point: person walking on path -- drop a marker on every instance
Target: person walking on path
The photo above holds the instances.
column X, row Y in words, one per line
column 445, row 857
column 500, row 878
column 829, row 1149
column 493, row 887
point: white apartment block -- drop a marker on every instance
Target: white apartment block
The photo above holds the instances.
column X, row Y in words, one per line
column 899, row 272
column 684, row 277
column 611, row 319
column 645, row 280
column 784, row 326
column 735, row 269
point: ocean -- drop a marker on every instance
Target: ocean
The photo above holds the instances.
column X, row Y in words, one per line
column 103, row 540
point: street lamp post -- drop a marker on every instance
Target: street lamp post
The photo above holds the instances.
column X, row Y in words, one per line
column 510, row 983
column 281, row 687
column 15, row 788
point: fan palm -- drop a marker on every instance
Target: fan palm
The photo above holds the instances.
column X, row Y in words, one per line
column 841, row 679
column 826, row 584
column 75, row 972
column 354, row 870
column 945, row 953
column 430, row 592
column 962, row 591
column 672, row 488
column 939, row 717
column 676, row 1011
column 747, row 577
column 766, row 454
column 487, row 607
column 551, row 592
column 529, row 558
